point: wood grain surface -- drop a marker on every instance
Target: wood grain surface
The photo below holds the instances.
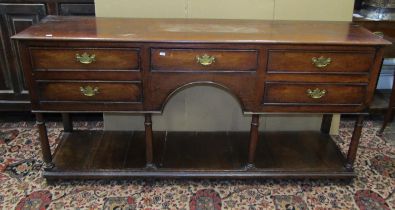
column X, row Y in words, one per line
column 200, row 30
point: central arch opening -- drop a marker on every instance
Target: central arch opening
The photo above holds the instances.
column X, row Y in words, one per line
column 197, row 129
column 202, row 107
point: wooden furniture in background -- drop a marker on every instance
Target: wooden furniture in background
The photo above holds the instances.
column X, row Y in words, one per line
column 385, row 29
column 16, row 16
column 76, row 64
column 389, row 115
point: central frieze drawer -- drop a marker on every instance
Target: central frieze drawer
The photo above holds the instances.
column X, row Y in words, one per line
column 85, row 58
column 90, row 91
column 203, row 60
column 319, row 62
column 304, row 93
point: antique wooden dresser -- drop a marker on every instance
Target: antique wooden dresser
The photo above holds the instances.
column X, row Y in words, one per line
column 86, row 64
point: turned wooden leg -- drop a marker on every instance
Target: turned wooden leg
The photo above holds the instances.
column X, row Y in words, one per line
column 326, row 123
column 148, row 141
column 67, row 122
column 352, row 150
column 254, row 135
column 45, row 148
column 390, row 111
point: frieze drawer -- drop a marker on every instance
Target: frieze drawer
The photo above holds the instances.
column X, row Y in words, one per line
column 203, row 60
column 314, row 94
column 90, row 91
column 319, row 62
column 85, row 58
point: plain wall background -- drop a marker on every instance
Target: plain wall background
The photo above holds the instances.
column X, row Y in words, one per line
column 335, row 10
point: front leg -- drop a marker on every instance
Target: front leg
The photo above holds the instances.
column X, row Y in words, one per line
column 352, row 151
column 148, row 142
column 254, row 136
column 43, row 137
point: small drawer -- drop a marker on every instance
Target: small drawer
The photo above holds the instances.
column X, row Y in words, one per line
column 313, row 94
column 90, row 91
column 319, row 62
column 85, row 58
column 84, row 75
column 203, row 60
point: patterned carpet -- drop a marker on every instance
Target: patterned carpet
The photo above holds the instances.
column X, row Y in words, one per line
column 22, row 187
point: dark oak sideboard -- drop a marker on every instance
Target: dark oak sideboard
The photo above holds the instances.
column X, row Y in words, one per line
column 76, row 64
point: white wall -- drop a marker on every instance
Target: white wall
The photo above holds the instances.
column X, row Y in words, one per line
column 339, row 10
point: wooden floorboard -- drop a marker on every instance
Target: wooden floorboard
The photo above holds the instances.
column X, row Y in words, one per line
column 311, row 151
column 203, row 150
column 76, row 150
column 113, row 149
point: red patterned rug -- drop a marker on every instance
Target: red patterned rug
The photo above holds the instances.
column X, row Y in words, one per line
column 22, row 186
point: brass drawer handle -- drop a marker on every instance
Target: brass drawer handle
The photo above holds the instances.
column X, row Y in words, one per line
column 321, row 62
column 85, row 58
column 89, row 91
column 379, row 34
column 316, row 93
column 205, row 60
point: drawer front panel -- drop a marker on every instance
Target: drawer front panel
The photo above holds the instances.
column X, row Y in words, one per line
column 88, row 75
column 203, row 60
column 90, row 91
column 305, row 94
column 97, row 59
column 319, row 62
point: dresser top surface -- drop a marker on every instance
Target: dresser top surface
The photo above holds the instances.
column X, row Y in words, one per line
column 199, row 31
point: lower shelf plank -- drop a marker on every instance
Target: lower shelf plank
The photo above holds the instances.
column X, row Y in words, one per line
column 163, row 174
column 112, row 154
